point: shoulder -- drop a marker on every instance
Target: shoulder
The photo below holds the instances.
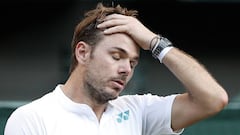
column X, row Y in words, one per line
column 144, row 99
column 32, row 109
column 26, row 118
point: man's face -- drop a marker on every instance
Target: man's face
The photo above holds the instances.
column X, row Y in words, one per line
column 111, row 66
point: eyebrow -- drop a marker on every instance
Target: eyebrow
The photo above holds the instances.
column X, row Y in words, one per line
column 136, row 58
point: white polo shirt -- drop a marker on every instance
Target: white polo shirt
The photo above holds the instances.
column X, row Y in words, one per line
column 56, row 114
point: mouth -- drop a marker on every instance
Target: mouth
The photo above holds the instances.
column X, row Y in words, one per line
column 118, row 83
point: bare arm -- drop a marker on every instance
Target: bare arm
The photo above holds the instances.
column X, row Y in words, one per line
column 204, row 96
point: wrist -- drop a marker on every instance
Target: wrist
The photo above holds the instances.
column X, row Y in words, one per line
column 160, row 48
column 163, row 53
column 154, row 41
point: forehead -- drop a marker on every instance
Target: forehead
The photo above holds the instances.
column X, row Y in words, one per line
column 121, row 41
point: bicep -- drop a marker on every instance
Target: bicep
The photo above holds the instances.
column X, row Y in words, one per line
column 185, row 112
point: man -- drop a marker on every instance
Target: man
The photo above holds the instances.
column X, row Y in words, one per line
column 105, row 52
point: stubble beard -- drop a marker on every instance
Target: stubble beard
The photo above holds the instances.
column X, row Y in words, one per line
column 96, row 90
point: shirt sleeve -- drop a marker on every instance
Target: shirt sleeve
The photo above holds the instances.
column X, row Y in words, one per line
column 157, row 115
column 21, row 122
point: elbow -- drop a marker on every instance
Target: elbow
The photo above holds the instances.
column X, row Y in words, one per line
column 224, row 101
column 219, row 103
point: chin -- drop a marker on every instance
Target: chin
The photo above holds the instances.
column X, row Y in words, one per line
column 113, row 98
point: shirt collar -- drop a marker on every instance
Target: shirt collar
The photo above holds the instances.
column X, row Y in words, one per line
column 74, row 107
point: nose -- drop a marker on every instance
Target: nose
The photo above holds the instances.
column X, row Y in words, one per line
column 125, row 68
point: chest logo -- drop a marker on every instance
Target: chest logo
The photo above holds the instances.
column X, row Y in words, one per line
column 123, row 116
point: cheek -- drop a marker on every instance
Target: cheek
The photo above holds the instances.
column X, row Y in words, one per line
column 102, row 67
column 106, row 63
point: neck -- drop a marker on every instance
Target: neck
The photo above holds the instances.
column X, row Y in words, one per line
column 74, row 90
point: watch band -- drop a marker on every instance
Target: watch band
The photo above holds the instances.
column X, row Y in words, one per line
column 159, row 46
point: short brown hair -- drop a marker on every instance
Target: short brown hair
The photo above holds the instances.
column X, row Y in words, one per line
column 86, row 29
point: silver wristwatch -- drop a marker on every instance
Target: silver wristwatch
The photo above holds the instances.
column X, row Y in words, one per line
column 163, row 43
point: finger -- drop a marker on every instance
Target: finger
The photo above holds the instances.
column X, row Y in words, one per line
column 111, row 23
column 116, row 29
column 114, row 16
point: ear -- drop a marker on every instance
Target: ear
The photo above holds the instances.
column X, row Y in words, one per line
column 82, row 52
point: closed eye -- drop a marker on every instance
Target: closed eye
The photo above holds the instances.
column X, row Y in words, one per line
column 116, row 56
column 119, row 53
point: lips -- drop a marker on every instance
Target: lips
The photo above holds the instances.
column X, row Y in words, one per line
column 118, row 83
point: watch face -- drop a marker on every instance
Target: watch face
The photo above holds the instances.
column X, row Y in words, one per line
column 164, row 42
column 157, row 51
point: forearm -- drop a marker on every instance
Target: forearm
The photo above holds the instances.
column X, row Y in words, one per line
column 203, row 89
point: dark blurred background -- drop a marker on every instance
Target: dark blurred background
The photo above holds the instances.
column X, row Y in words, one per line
column 35, row 39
